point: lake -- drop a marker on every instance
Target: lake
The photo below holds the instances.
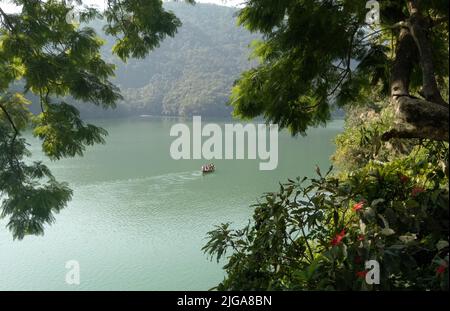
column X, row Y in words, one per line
column 138, row 218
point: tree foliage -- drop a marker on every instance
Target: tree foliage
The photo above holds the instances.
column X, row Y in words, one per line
column 317, row 234
column 319, row 53
column 56, row 59
column 389, row 201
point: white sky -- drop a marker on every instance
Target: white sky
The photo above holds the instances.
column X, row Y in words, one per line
column 9, row 8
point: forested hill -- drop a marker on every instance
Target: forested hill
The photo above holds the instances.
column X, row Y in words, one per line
column 190, row 74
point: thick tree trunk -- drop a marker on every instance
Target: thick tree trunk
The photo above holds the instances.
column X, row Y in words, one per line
column 416, row 118
column 418, row 27
column 406, row 56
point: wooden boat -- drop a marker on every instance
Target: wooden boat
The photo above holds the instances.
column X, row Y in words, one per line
column 209, row 168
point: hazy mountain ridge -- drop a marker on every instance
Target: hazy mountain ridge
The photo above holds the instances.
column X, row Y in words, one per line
column 189, row 74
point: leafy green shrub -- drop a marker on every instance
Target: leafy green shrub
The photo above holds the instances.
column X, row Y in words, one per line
column 317, row 234
column 361, row 141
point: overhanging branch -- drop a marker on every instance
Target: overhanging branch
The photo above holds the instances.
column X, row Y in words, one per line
column 417, row 118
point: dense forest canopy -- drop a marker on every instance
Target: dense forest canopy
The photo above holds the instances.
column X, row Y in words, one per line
column 193, row 72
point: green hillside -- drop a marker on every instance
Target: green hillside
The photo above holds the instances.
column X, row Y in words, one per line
column 190, row 74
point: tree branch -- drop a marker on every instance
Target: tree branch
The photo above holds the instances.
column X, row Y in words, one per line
column 10, row 120
column 6, row 20
column 417, row 118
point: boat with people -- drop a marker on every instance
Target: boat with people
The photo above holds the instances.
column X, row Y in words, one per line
column 208, row 168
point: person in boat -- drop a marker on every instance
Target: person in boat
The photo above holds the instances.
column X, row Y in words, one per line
column 208, row 168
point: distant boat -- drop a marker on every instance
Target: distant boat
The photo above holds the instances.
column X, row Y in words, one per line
column 208, row 168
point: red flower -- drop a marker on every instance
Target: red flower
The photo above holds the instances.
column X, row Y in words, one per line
column 358, row 206
column 338, row 238
column 441, row 269
column 361, row 237
column 404, row 179
column 361, row 274
column 416, row 191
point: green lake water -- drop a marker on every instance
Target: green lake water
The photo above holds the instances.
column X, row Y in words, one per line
column 138, row 219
